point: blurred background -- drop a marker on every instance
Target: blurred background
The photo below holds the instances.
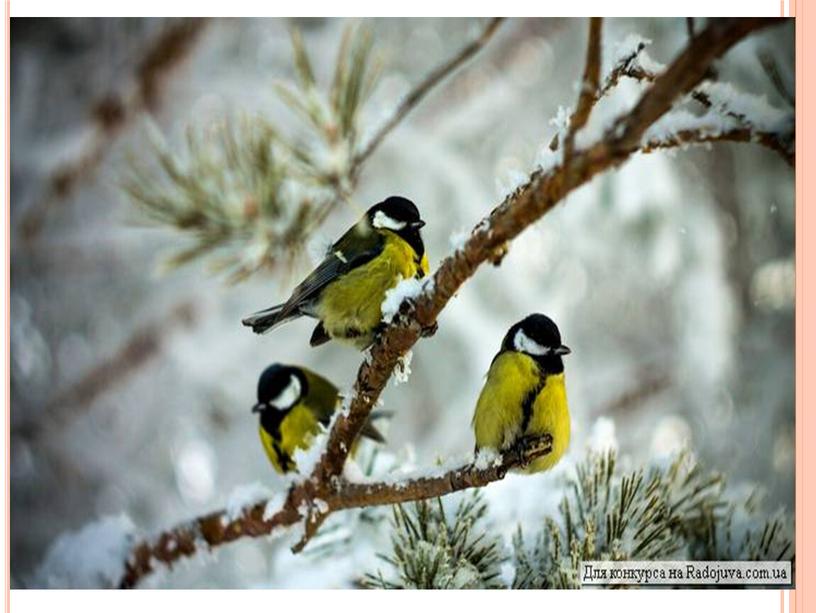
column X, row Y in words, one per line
column 671, row 278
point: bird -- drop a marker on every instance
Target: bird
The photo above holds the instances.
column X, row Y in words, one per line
column 346, row 290
column 524, row 395
column 293, row 404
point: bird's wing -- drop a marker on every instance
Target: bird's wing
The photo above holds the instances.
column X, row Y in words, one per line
column 322, row 396
column 356, row 247
column 323, row 401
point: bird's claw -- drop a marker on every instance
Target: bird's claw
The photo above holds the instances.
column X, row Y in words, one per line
column 429, row 331
column 529, row 448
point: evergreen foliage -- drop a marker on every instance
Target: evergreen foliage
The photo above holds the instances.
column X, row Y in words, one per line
column 677, row 511
column 245, row 191
column 434, row 550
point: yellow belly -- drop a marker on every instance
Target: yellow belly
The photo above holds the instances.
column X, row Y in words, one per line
column 551, row 416
column 499, row 414
column 350, row 307
column 297, row 431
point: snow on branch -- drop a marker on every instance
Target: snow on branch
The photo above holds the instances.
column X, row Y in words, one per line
column 325, row 491
column 258, row 518
column 734, row 116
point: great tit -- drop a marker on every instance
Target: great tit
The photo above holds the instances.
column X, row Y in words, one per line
column 293, row 403
column 524, row 395
column 345, row 292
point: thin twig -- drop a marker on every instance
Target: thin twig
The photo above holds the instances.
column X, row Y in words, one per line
column 690, row 27
column 425, row 86
column 342, row 191
column 589, row 86
column 681, row 138
column 776, row 142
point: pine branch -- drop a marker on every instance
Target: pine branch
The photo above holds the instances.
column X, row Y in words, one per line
column 433, row 549
column 318, row 496
column 232, row 191
column 679, row 511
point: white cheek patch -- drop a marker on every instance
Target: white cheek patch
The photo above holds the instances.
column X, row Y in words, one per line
column 525, row 344
column 381, row 220
column 289, row 396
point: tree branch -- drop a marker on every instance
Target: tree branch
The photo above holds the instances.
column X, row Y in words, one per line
column 589, row 86
column 419, row 92
column 629, row 67
column 322, row 492
column 218, row 528
column 113, row 112
column 682, row 138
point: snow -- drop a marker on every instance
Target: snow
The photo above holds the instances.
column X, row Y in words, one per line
column 648, row 64
column 485, row 458
column 402, row 371
column 273, row 505
column 307, row 459
column 756, row 110
column 92, row 557
column 667, row 127
column 628, row 46
column 509, row 181
column 406, row 289
column 602, row 436
column 245, row 496
column 458, row 238
column 632, row 48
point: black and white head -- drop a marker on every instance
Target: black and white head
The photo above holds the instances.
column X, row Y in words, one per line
column 401, row 216
column 279, row 389
column 537, row 336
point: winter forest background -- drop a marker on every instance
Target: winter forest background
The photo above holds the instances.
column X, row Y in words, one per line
column 671, row 279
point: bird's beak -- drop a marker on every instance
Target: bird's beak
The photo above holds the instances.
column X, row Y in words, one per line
column 418, row 224
column 562, row 350
column 257, row 408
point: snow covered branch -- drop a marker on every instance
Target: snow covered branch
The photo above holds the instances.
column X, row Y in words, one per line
column 262, row 518
column 325, row 490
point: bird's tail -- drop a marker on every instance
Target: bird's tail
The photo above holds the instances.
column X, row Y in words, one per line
column 266, row 320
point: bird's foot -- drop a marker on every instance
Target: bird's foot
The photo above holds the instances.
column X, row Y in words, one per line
column 429, row 331
column 531, row 447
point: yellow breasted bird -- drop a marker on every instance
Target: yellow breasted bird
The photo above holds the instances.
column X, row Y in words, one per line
column 293, row 403
column 345, row 292
column 524, row 395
